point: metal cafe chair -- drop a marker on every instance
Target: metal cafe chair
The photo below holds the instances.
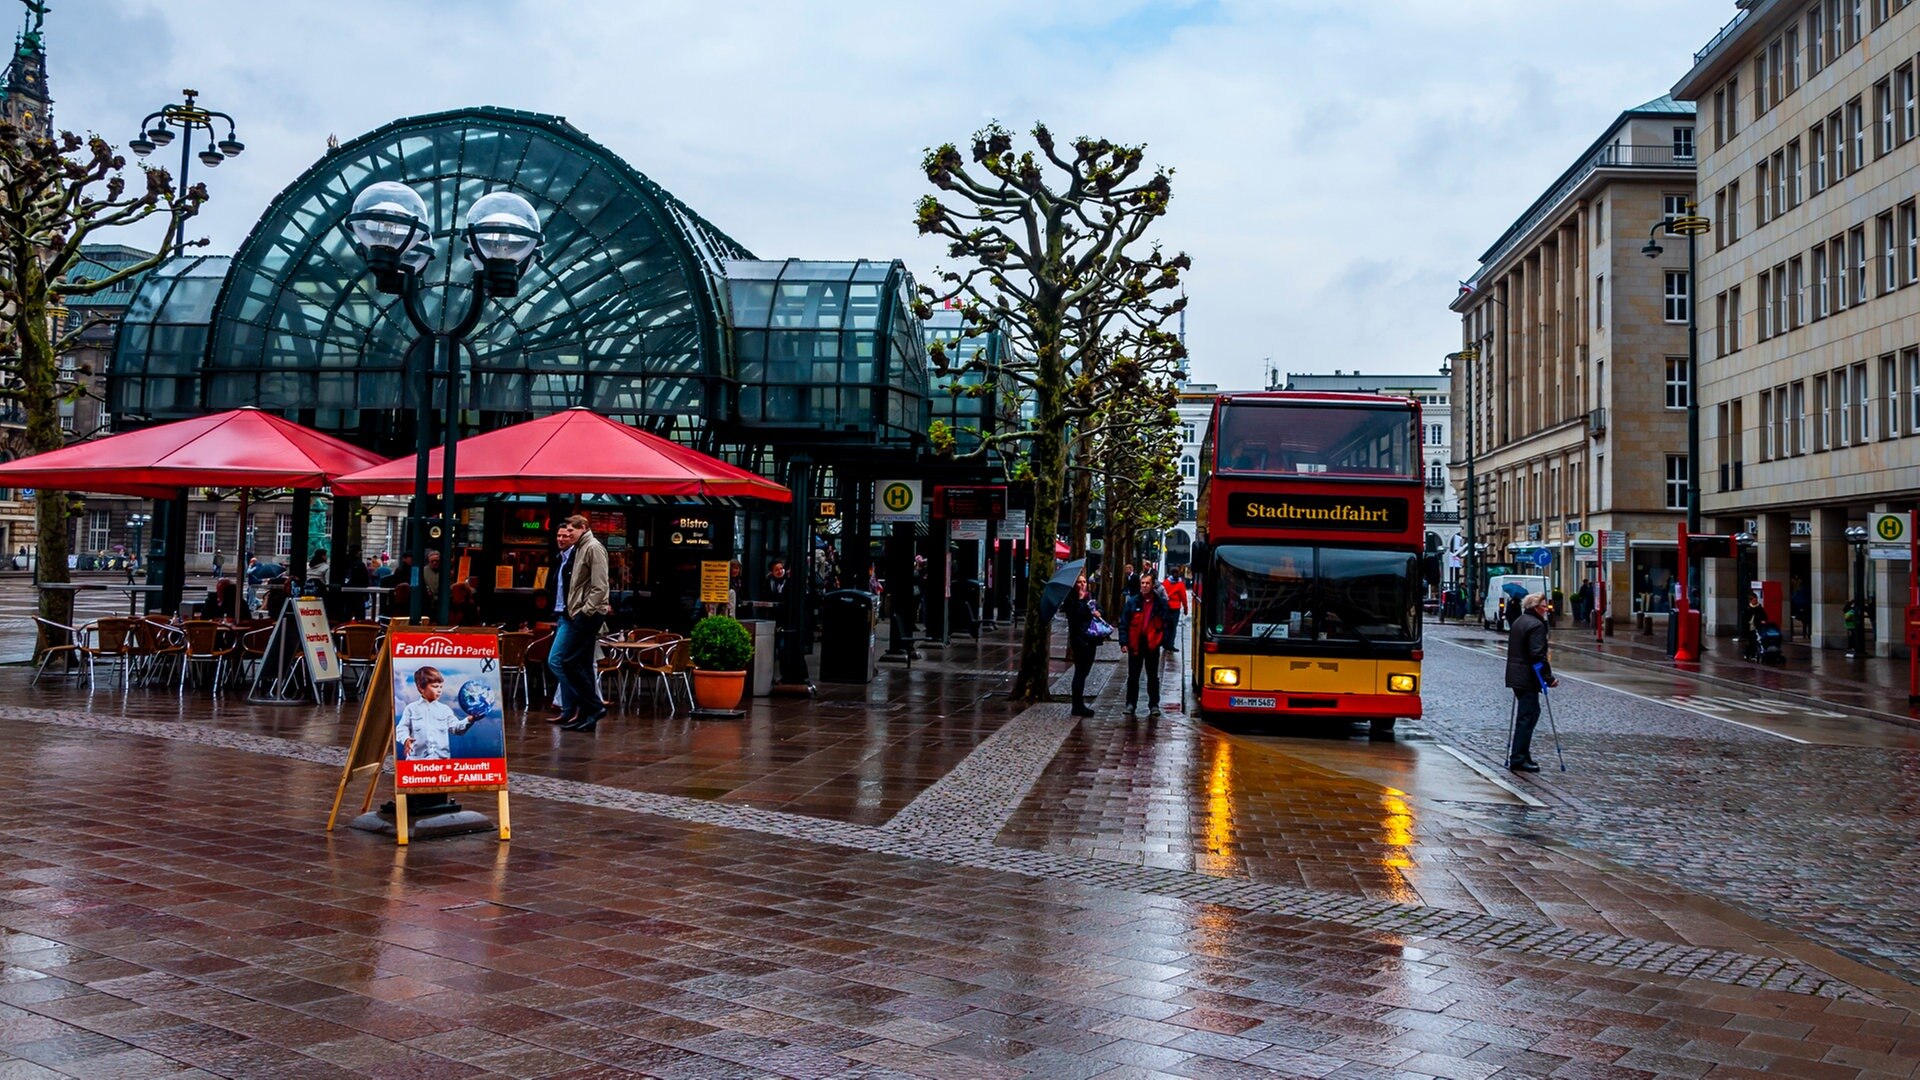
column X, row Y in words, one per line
column 107, row 639
column 155, row 651
column 670, row 659
column 359, row 652
column 514, row 645
column 204, row 646
column 64, row 642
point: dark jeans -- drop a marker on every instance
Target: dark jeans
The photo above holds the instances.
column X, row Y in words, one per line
column 1526, row 715
column 571, row 661
column 1150, row 660
column 1082, row 654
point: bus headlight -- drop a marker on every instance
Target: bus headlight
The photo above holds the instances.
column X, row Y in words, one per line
column 1403, row 684
column 1224, row 676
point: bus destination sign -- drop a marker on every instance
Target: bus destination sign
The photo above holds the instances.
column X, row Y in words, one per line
column 1340, row 513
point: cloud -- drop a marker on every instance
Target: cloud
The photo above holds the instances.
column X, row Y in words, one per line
column 1339, row 167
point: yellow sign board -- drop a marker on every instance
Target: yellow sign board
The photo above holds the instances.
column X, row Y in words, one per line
column 713, row 581
column 1890, row 528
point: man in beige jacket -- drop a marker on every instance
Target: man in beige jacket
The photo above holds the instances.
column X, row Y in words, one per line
column 580, row 609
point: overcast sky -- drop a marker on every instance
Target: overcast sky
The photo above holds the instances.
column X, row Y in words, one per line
column 1340, row 165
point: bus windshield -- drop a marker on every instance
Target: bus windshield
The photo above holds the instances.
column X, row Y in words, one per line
column 1318, row 439
column 1277, row 592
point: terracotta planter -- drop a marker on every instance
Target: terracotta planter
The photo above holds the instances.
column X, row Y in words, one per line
column 720, row 691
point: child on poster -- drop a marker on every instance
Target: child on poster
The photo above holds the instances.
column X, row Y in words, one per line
column 426, row 727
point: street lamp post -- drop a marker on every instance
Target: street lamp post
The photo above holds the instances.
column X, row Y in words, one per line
column 136, row 524
column 1691, row 225
column 1467, row 357
column 158, row 130
column 189, row 116
column 1857, row 538
column 389, row 227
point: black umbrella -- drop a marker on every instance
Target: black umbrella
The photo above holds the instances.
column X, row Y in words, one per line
column 1058, row 587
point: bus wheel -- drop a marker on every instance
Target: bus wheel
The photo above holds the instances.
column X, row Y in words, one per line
column 1381, row 730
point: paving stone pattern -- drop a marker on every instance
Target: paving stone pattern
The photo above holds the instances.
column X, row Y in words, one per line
column 1819, row 838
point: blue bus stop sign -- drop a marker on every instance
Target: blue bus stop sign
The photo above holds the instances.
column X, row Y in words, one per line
column 1543, row 558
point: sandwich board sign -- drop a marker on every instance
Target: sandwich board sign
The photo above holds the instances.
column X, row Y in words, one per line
column 434, row 705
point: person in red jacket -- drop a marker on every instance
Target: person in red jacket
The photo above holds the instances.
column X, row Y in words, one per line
column 1143, row 629
column 1176, row 591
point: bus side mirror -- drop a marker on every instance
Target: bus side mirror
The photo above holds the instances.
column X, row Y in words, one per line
column 1200, row 555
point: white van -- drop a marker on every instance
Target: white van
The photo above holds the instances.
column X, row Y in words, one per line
column 1494, row 614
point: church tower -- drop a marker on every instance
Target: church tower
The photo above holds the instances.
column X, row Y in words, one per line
column 25, row 100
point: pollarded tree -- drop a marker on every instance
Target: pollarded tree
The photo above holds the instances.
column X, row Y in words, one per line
column 56, row 194
column 1052, row 250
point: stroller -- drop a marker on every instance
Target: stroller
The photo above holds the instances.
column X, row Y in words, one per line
column 1763, row 646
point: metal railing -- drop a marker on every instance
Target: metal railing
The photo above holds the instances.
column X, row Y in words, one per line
column 1443, row 517
column 1611, row 156
column 1726, row 31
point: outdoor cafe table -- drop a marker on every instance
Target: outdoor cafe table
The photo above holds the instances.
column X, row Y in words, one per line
column 378, row 592
column 134, row 592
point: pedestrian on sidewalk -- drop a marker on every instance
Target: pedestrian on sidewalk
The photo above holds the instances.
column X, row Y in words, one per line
column 1143, row 629
column 580, row 607
column 1176, row 591
column 1528, row 671
column 1081, row 642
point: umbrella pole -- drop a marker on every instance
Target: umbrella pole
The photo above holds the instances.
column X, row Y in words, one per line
column 240, row 560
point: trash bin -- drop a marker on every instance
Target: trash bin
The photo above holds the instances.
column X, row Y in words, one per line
column 849, row 645
column 761, row 630
column 963, row 609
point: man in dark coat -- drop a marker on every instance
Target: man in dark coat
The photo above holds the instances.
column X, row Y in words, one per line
column 1528, row 670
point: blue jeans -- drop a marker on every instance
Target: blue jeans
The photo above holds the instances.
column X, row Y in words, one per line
column 571, row 662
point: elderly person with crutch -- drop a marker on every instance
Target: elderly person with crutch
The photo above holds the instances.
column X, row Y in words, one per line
column 1529, row 674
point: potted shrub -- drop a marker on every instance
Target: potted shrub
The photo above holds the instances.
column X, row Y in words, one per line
column 721, row 650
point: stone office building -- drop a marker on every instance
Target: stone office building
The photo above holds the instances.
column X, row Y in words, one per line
column 1570, row 397
column 1810, row 324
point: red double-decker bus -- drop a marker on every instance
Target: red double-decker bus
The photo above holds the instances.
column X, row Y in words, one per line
column 1309, row 561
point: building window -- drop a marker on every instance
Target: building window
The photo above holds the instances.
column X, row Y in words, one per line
column 209, row 536
column 1883, row 108
column 1889, row 398
column 1187, row 507
column 1796, row 294
column 1843, row 410
column 1862, row 403
column 1889, row 254
column 1910, row 360
column 1857, row 241
column 1779, row 299
column 1436, row 475
column 1816, row 41
column 1857, row 132
column 1673, row 206
column 1910, row 244
column 1765, row 281
column 1763, row 189
column 1189, row 468
column 1766, row 425
column 1780, row 204
column 1676, row 382
column 1903, row 88
column 1837, row 145
column 1733, row 319
column 1801, row 435
column 1683, row 144
column 283, row 534
column 1817, row 143
column 1794, row 195
column 1822, row 410
column 1820, row 282
column 1600, row 301
column 1186, row 433
column 1676, row 481
column 1732, row 217
column 99, row 529
column 1434, row 437
column 1720, row 325
column 1677, row 296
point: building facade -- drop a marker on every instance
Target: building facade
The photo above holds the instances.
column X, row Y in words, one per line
column 1574, row 363
column 1810, row 321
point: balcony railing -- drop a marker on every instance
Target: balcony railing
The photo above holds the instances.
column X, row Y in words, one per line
column 1597, row 423
column 1443, row 517
column 1613, row 156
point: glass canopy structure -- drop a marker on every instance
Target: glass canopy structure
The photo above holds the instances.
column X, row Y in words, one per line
column 166, row 325
column 622, row 314
column 828, row 347
column 638, row 309
column 970, row 402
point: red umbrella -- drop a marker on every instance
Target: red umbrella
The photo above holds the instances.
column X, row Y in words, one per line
column 244, row 448
column 572, row 452
column 1062, row 549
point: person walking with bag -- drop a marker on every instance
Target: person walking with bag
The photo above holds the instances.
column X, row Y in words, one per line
column 1084, row 635
column 1528, row 672
column 580, row 603
column 1143, row 629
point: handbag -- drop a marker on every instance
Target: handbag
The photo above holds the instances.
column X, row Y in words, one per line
column 1098, row 629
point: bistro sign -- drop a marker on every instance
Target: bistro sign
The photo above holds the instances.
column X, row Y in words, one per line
column 1250, row 510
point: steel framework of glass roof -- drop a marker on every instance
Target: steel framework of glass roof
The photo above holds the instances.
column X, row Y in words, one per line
column 166, row 324
column 638, row 309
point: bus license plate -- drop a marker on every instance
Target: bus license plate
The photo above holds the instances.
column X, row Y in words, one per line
column 1252, row 702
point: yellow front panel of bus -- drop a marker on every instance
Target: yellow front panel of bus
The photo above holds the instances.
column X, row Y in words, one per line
column 1308, row 675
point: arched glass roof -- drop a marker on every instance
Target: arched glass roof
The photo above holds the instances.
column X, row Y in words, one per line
column 622, row 314
column 828, row 348
column 970, row 401
column 155, row 372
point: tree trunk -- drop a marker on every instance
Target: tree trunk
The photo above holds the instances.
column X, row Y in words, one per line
column 39, row 399
column 1082, row 508
column 1048, row 460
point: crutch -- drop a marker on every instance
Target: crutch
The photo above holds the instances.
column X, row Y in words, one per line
column 1546, row 694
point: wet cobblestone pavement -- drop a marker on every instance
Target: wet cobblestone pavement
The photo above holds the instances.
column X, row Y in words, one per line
column 909, row 879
